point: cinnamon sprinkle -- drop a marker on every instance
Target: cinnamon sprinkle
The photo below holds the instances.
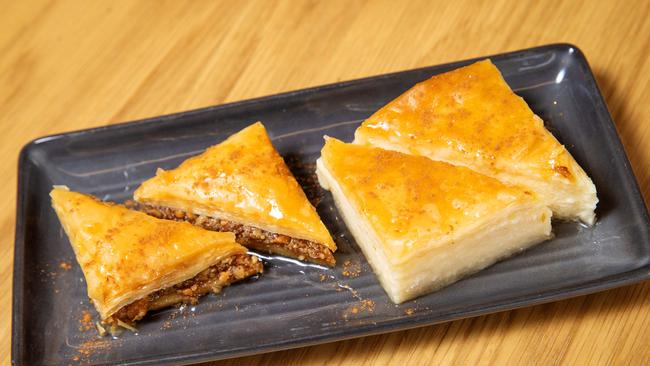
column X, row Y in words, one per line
column 88, row 348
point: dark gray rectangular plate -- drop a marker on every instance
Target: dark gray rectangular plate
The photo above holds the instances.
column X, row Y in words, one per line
column 293, row 304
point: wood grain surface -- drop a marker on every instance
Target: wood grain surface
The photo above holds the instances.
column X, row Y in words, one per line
column 67, row 65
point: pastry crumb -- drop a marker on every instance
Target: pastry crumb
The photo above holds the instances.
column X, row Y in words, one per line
column 166, row 325
column 351, row 269
column 366, row 305
column 86, row 321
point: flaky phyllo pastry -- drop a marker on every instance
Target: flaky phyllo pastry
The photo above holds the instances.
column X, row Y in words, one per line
column 470, row 117
column 242, row 185
column 424, row 224
column 134, row 263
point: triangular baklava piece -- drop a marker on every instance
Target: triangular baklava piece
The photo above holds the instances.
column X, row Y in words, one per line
column 134, row 263
column 471, row 117
column 242, row 185
column 424, row 224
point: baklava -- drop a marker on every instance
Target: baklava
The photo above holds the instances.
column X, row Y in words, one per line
column 470, row 117
column 423, row 224
column 134, row 263
column 241, row 185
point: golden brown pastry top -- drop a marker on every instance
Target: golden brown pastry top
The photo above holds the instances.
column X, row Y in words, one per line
column 126, row 255
column 242, row 179
column 470, row 116
column 410, row 200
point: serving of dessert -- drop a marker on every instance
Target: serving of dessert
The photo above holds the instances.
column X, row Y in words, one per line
column 450, row 177
column 186, row 232
column 134, row 263
column 421, row 217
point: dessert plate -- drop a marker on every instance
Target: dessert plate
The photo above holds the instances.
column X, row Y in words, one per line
column 295, row 304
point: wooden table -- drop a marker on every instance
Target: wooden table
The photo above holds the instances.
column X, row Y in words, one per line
column 67, row 65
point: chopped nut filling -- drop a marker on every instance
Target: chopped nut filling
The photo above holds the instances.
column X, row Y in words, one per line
column 212, row 279
column 248, row 236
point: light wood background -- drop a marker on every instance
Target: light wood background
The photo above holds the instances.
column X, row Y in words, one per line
column 67, row 65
